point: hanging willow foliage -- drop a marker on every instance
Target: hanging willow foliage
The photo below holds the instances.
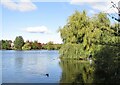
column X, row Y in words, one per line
column 83, row 35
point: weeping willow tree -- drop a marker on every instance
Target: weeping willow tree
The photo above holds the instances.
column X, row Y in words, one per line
column 83, row 35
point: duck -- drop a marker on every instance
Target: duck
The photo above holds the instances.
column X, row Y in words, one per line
column 47, row 75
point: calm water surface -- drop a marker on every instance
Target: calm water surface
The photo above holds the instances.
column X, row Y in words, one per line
column 30, row 66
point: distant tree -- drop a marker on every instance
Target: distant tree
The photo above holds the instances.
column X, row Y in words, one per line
column 34, row 45
column 19, row 42
column 0, row 44
column 39, row 45
column 50, row 46
column 27, row 46
column 57, row 46
column 5, row 44
column 50, row 43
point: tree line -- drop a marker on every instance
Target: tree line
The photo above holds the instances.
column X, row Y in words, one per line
column 20, row 44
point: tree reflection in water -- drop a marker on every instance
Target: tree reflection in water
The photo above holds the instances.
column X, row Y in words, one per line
column 106, row 68
column 75, row 72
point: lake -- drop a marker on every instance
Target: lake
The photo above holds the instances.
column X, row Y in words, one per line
column 43, row 66
column 30, row 66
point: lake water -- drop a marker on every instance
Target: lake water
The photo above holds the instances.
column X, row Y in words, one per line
column 30, row 66
column 43, row 66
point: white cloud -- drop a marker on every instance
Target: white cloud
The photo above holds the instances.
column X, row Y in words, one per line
column 22, row 5
column 39, row 29
column 101, row 5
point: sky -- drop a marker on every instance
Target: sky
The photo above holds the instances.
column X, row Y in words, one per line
column 40, row 20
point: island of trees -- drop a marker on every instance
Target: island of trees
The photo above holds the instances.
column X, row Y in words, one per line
column 20, row 44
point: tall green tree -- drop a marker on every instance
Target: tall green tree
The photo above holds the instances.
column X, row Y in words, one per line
column 19, row 42
column 89, row 33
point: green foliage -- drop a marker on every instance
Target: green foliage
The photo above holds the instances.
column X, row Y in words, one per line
column 50, row 43
column 27, row 46
column 20, row 45
column 0, row 44
column 57, row 46
column 101, row 20
column 5, row 44
column 19, row 42
column 71, row 51
column 73, row 31
column 107, row 65
column 34, row 45
column 51, row 46
column 77, row 51
column 104, row 69
column 83, row 35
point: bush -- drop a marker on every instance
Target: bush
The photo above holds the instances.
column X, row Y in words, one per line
column 26, row 46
